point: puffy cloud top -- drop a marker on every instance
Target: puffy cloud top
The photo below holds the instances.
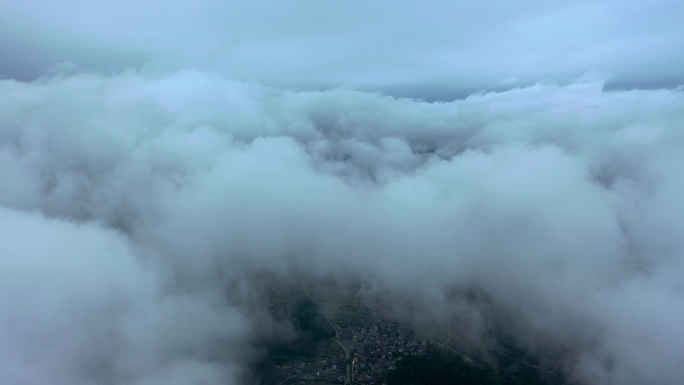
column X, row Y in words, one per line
column 138, row 212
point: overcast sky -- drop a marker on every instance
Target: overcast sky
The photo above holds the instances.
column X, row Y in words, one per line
column 430, row 49
column 160, row 159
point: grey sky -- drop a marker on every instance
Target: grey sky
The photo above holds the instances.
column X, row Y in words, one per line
column 426, row 48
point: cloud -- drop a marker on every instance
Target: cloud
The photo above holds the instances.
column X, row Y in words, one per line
column 142, row 211
column 166, row 165
column 81, row 306
column 438, row 50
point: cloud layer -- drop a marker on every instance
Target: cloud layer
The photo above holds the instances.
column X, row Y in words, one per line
column 434, row 49
column 138, row 214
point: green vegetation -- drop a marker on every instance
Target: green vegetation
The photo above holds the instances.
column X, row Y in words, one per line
column 362, row 311
column 435, row 367
column 311, row 328
column 441, row 367
column 332, row 349
column 309, row 323
column 351, row 320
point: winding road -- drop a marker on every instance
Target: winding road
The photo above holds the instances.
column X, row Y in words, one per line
column 348, row 378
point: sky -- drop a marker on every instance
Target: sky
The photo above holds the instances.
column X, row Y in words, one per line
column 166, row 165
column 436, row 50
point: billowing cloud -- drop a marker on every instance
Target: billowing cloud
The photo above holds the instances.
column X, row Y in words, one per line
column 81, row 306
column 139, row 213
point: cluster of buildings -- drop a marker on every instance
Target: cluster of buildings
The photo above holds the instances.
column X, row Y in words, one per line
column 377, row 347
column 331, row 369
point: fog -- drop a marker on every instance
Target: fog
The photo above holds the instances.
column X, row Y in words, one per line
column 166, row 168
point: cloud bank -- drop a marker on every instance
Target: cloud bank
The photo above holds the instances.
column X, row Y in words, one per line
column 139, row 213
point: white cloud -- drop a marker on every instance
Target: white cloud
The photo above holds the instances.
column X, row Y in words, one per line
column 140, row 211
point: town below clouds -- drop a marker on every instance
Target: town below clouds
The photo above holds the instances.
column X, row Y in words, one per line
column 139, row 213
column 167, row 167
